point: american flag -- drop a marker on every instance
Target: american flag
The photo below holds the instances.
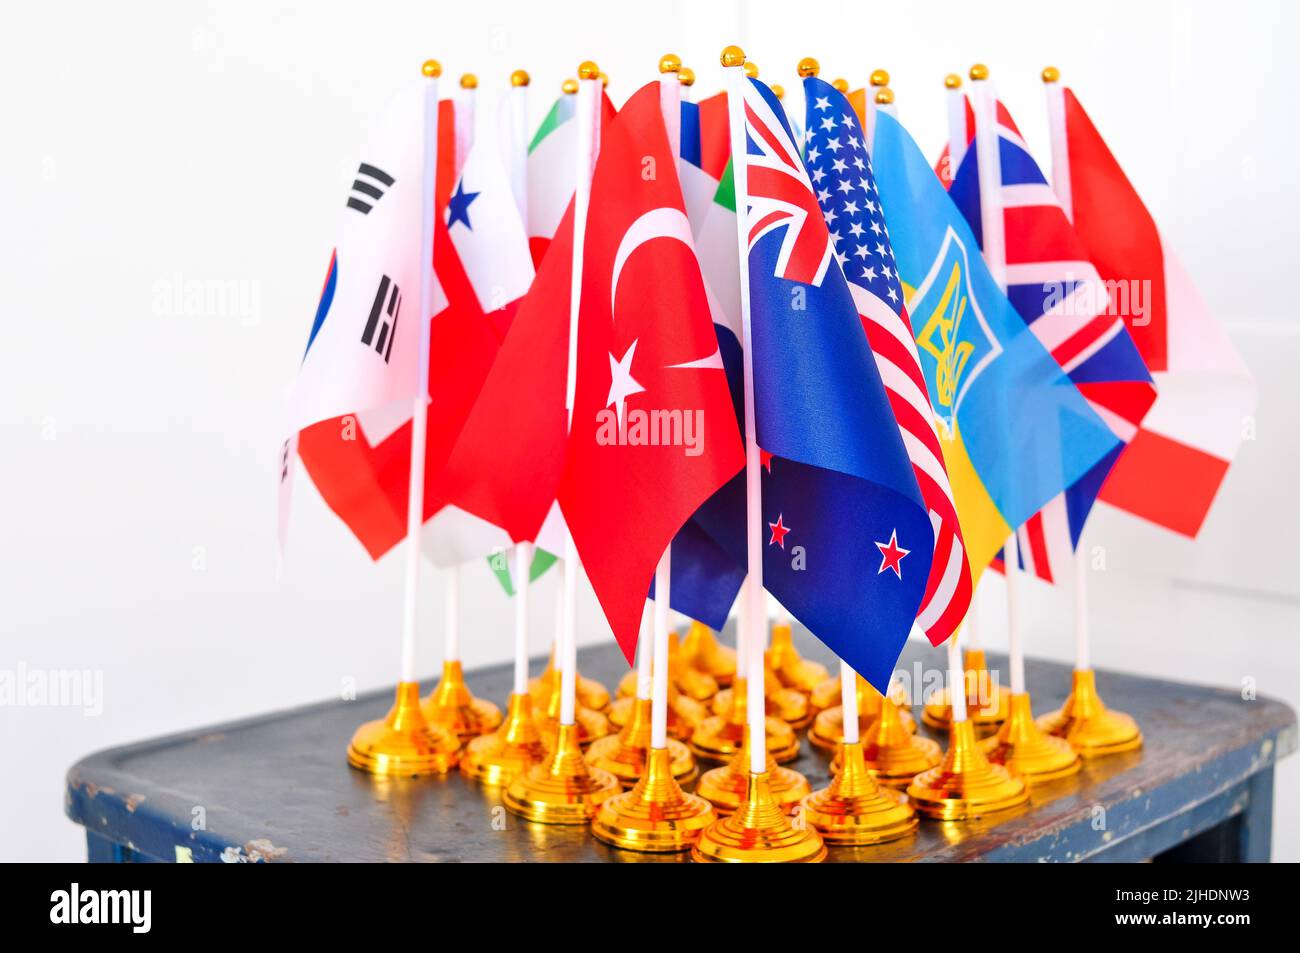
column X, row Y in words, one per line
column 1060, row 295
column 840, row 169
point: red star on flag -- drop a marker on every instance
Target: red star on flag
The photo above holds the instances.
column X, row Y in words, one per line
column 779, row 531
column 891, row 555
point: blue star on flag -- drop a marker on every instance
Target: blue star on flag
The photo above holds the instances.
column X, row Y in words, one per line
column 458, row 206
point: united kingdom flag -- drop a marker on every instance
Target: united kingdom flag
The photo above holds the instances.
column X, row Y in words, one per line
column 1062, row 298
column 848, row 538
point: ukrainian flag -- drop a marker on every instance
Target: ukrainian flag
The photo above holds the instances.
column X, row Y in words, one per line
column 1015, row 430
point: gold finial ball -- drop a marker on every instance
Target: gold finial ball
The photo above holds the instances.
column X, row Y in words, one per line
column 880, row 77
column 751, row 69
column 670, row 63
column 952, row 81
column 519, row 78
column 469, row 81
column 733, row 56
column 686, row 76
column 1051, row 74
column 842, row 85
column 809, row 67
column 431, row 69
column 778, row 91
column 884, row 96
column 588, row 70
column 569, row 86
column 979, row 71
column 604, row 80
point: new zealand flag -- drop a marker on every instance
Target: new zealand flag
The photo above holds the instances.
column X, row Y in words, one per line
column 848, row 540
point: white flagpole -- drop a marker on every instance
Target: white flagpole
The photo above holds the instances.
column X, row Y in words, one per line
column 956, row 681
column 957, row 130
column 670, row 105
column 589, row 92
column 464, row 128
column 1061, row 185
column 645, row 651
column 419, row 411
column 756, row 616
column 993, row 226
column 849, row 702
column 518, row 106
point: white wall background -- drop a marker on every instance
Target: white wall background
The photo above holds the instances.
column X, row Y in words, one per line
column 151, row 144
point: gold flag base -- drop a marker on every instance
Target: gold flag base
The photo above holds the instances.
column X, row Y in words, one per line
column 591, row 725
column 508, row 752
column 590, row 693
column 656, row 816
column 725, row 787
column 702, row 652
column 759, row 832
column 986, row 713
column 1086, row 723
column 624, row 754
column 684, row 714
column 892, row 754
column 719, row 737
column 786, row 704
column 453, row 707
column 696, row 685
column 965, row 785
column 403, row 744
column 853, row 810
column 827, row 731
column 1026, row 750
column 793, row 670
column 562, row 789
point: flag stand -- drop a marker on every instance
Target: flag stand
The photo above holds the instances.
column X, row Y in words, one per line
column 987, row 703
column 702, row 652
column 793, row 671
column 592, row 724
column 1084, row 720
column 827, row 731
column 516, row 746
column 404, row 743
column 451, row 704
column 562, row 789
column 758, row 830
column 1020, row 744
column 853, row 810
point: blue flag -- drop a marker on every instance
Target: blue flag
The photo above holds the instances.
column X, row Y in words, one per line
column 847, row 538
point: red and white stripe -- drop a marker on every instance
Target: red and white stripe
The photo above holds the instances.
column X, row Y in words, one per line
column 948, row 590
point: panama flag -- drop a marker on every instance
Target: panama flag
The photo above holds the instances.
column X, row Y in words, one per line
column 552, row 165
column 848, row 537
column 361, row 463
column 653, row 431
column 1017, row 431
column 1062, row 299
column 1176, row 460
column 840, row 169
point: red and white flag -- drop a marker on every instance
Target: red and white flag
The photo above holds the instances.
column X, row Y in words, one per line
column 654, row 431
column 361, row 462
column 1176, row 460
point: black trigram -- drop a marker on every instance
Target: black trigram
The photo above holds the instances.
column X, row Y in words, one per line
column 365, row 192
column 383, row 318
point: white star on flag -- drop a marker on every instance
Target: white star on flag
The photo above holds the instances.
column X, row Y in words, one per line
column 621, row 383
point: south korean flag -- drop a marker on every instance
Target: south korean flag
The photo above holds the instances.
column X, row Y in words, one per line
column 362, row 349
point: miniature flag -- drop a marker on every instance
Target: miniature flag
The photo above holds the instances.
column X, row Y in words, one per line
column 848, row 536
column 1017, row 431
column 1177, row 459
column 552, row 170
column 840, row 168
column 362, row 348
column 1063, row 300
column 361, row 465
column 653, row 428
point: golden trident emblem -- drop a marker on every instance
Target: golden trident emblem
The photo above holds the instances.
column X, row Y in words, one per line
column 939, row 338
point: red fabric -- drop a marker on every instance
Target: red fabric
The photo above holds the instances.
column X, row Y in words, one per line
column 1116, row 229
column 624, row 503
column 1165, row 481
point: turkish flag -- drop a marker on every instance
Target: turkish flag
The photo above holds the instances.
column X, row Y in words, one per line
column 654, row 432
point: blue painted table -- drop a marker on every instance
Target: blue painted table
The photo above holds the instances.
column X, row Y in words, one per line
column 277, row 788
